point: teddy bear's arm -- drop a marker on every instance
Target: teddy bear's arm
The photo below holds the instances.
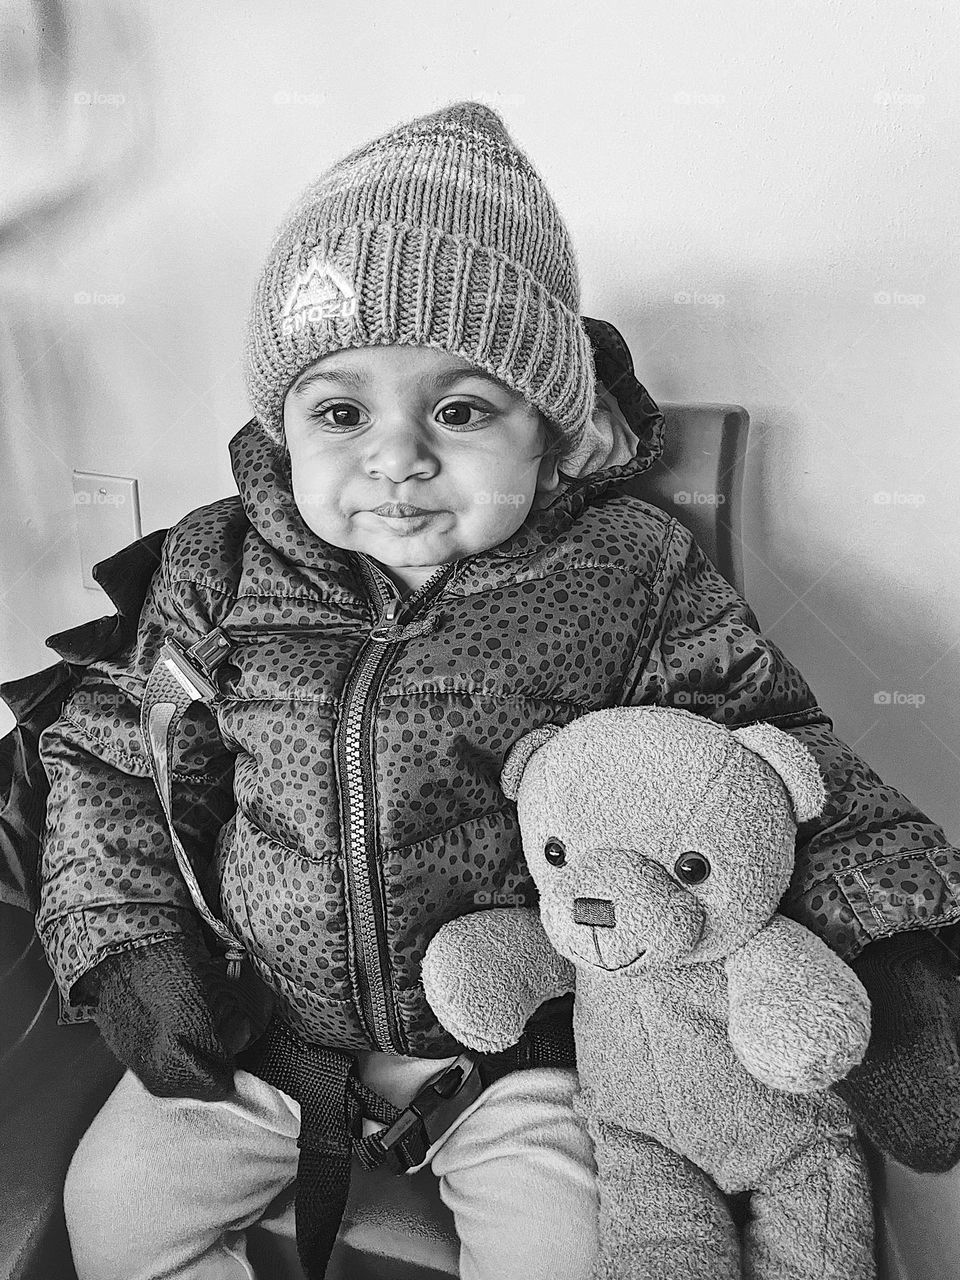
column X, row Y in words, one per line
column 799, row 1017
column 485, row 973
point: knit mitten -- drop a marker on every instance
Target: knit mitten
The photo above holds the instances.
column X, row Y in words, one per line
column 905, row 1094
column 156, row 1010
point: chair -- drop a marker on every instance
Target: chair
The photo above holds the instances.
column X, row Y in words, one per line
column 698, row 478
column 54, row 1079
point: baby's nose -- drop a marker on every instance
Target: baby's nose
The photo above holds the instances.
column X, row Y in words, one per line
column 402, row 453
column 595, row 911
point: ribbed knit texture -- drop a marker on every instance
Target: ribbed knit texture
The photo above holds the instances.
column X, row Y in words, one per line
column 153, row 1009
column 440, row 233
column 905, row 1094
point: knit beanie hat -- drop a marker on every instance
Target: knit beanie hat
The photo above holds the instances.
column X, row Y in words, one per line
column 441, row 234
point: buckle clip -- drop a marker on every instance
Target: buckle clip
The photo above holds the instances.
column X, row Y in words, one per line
column 192, row 668
column 431, row 1113
column 211, row 650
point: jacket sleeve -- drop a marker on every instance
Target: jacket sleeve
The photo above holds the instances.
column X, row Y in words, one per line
column 109, row 877
column 872, row 863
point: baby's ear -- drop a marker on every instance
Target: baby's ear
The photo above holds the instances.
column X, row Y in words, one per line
column 548, row 476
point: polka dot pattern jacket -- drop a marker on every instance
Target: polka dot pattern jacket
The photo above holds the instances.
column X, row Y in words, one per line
column 342, row 801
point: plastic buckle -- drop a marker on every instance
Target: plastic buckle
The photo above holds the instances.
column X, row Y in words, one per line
column 431, row 1113
column 192, row 668
column 211, row 650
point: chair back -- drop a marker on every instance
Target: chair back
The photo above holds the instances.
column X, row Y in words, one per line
column 699, row 478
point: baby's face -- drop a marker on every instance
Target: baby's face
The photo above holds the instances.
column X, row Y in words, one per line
column 403, row 424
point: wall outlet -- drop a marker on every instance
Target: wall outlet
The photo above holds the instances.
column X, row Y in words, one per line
column 108, row 518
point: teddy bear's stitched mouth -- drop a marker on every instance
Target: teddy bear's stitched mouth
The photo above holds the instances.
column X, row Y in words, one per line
column 597, row 963
column 615, row 968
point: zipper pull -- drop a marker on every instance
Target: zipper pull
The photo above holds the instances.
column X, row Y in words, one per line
column 388, row 621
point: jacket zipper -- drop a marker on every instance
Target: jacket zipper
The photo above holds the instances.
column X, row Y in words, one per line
column 365, row 895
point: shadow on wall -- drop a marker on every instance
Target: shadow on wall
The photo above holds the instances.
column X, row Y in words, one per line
column 64, row 156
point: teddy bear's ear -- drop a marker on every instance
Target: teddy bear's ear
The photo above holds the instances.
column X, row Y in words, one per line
column 796, row 766
column 520, row 753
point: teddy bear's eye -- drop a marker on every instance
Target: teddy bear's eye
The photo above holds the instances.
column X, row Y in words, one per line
column 554, row 852
column 691, row 867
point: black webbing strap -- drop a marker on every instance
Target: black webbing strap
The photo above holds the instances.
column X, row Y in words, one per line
column 316, row 1078
column 547, row 1041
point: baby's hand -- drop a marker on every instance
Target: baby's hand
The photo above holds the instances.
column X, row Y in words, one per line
column 154, row 1011
column 485, row 973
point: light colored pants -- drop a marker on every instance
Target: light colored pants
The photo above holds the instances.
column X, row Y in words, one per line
column 164, row 1188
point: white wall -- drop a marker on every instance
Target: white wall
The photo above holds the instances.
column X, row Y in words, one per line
column 788, row 162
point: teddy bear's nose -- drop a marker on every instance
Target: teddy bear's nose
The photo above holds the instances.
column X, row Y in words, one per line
column 596, row 911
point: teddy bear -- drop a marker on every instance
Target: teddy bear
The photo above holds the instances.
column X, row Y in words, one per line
column 708, row 1025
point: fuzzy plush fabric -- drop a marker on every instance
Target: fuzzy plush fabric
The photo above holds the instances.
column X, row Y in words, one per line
column 708, row 1026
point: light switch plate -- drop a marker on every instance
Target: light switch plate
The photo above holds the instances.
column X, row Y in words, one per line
column 108, row 518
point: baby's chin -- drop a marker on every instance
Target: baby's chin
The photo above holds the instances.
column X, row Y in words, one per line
column 412, row 543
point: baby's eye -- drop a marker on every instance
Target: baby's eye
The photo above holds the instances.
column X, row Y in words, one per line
column 338, row 409
column 459, row 407
column 343, row 415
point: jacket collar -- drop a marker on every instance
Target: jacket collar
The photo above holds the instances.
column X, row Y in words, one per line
column 263, row 482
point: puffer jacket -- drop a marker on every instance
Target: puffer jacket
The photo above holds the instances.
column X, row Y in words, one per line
column 342, row 802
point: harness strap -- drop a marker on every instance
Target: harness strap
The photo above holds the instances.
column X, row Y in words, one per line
column 172, row 686
column 547, row 1041
column 317, row 1079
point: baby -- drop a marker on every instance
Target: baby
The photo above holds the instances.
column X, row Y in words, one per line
column 428, row 557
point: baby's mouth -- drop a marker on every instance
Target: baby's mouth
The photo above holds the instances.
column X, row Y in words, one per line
column 401, row 522
column 402, row 510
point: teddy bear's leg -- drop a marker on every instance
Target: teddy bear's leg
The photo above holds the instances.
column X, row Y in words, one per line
column 660, row 1216
column 813, row 1217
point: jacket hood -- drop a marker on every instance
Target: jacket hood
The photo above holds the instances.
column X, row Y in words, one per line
column 262, row 474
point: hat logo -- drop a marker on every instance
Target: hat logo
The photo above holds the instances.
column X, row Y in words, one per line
column 321, row 292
